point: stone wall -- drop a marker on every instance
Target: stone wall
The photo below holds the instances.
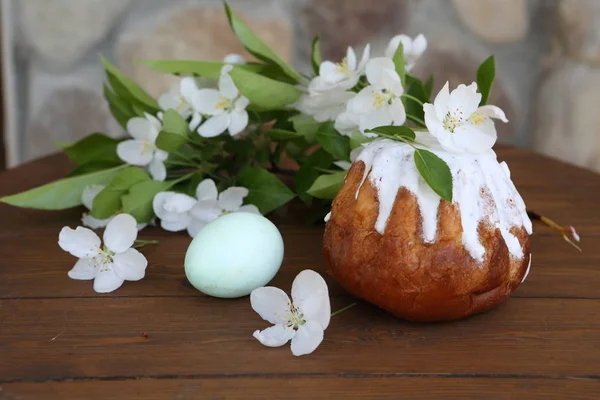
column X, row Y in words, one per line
column 547, row 52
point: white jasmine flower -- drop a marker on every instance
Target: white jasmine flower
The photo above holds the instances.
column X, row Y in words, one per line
column 179, row 98
column 302, row 320
column 109, row 266
column 211, row 205
column 141, row 150
column 412, row 49
column 234, row 59
column 458, row 123
column 324, row 106
column 344, row 75
column 173, row 209
column 378, row 104
column 226, row 107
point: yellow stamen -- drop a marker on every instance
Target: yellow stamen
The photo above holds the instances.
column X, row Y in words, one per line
column 223, row 103
column 342, row 67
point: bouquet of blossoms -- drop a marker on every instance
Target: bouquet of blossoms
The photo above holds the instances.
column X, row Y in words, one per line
column 249, row 136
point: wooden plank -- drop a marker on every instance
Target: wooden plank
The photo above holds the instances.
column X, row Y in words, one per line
column 57, row 339
column 319, row 387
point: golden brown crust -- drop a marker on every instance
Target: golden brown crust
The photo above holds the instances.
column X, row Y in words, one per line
column 401, row 273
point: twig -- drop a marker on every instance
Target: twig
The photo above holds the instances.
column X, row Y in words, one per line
column 341, row 310
column 565, row 231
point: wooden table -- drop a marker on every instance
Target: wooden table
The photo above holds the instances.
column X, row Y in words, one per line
column 161, row 339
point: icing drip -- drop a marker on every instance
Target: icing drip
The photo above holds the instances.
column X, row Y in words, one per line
column 481, row 188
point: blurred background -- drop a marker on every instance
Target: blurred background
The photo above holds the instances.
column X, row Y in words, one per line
column 547, row 58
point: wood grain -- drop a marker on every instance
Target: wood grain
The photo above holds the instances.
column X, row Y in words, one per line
column 160, row 338
column 351, row 387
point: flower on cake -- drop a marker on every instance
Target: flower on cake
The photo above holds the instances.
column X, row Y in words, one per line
column 179, row 98
column 340, row 76
column 109, row 265
column 225, row 107
column 412, row 48
column 302, row 320
column 141, row 150
column 378, row 104
column 178, row 211
column 458, row 123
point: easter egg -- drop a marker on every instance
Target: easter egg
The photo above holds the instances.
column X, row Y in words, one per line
column 234, row 255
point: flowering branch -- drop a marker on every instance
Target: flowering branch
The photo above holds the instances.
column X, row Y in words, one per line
column 565, row 231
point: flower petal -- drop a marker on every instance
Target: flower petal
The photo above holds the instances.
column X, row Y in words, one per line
column 307, row 339
column 120, row 233
column 226, row 85
column 311, row 295
column 376, row 66
column 241, row 103
column 239, row 122
column 206, row 210
column 157, row 170
column 205, row 101
column 135, row 152
column 275, row 336
column 442, row 102
column 89, row 193
column 187, row 88
column 271, row 303
column 170, row 99
column 107, row 279
column 469, row 138
column 345, row 165
column 397, row 112
column 179, row 203
column 375, row 118
column 178, row 224
column 249, row 208
column 234, row 59
column 351, row 59
column 80, row 242
column 365, row 58
column 492, row 112
column 465, row 98
column 232, row 198
column 195, row 226
column 130, row 265
column 207, row 190
column 195, row 122
column 139, row 128
column 214, row 126
column 94, row 223
column 158, row 206
column 84, row 269
column 161, row 155
column 327, row 68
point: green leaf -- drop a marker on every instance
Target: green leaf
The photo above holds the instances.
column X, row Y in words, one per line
column 429, row 87
column 358, row 139
column 282, row 134
column 334, row 143
column 400, row 63
column 93, row 166
column 485, row 79
column 394, row 132
column 256, row 46
column 316, row 54
column 435, row 172
column 415, row 88
column 264, row 92
column 174, row 132
column 138, row 202
column 327, row 186
column 308, row 173
column 95, row 147
column 128, row 86
column 206, row 69
column 108, row 201
column 267, row 192
column 119, row 108
column 306, row 125
column 61, row 194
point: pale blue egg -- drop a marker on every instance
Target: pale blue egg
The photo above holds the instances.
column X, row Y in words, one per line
column 234, row 255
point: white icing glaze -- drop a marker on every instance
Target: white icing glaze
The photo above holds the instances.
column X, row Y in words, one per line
column 481, row 188
column 527, row 271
